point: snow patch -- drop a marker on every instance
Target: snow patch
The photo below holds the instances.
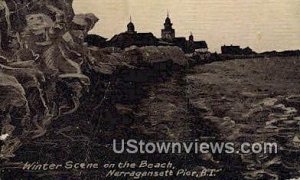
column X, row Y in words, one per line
column 3, row 137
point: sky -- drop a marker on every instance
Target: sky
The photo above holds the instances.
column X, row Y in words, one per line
column 263, row 25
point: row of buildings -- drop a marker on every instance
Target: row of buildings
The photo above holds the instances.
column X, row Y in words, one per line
column 168, row 38
column 236, row 50
column 132, row 37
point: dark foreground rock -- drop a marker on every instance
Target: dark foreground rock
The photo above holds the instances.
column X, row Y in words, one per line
column 49, row 78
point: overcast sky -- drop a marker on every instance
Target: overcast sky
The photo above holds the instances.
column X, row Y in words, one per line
column 261, row 24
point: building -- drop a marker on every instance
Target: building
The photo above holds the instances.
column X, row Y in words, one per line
column 168, row 33
column 96, row 41
column 196, row 46
column 168, row 37
column 131, row 27
column 236, row 50
column 132, row 37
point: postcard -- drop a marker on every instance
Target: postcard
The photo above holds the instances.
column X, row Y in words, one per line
column 149, row 89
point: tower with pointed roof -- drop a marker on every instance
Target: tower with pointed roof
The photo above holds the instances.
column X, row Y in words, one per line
column 168, row 33
column 130, row 27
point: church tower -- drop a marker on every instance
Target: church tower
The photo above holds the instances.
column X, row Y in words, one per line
column 168, row 33
column 130, row 27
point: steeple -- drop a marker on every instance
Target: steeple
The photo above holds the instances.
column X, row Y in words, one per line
column 168, row 33
column 130, row 26
column 168, row 24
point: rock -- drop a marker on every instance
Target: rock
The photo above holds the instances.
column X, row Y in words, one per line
column 213, row 119
column 43, row 79
column 200, row 106
column 3, row 137
column 295, row 99
column 150, row 55
column 291, row 111
column 84, row 22
column 296, row 139
column 123, row 109
column 12, row 94
column 290, row 122
column 38, row 23
column 103, row 68
column 297, row 118
column 271, row 122
column 269, row 102
column 175, row 54
column 271, row 127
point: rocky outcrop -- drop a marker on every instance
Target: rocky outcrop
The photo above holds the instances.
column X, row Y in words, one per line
column 49, row 73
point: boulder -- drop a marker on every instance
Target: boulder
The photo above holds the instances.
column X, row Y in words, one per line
column 150, row 55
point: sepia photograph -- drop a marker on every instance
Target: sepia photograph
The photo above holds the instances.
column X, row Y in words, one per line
column 149, row 89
